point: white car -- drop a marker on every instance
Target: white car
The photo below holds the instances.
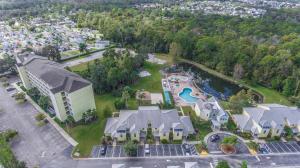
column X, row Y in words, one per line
column 147, row 150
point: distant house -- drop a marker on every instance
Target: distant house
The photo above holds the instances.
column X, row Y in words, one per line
column 135, row 123
column 69, row 93
column 211, row 110
column 268, row 119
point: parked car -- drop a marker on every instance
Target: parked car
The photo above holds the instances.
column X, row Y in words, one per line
column 214, row 138
column 262, row 149
column 186, row 148
column 10, row 89
column 103, row 150
column 147, row 150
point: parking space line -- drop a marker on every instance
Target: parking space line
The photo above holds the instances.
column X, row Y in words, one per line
column 113, row 151
column 183, row 153
column 288, row 146
column 295, row 145
column 120, row 151
column 292, row 145
column 176, row 150
column 98, row 155
column 169, row 149
column 284, row 144
column 156, row 150
column 273, row 148
column 277, row 144
column 163, row 150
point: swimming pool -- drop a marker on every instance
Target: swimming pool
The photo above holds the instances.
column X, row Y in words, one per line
column 185, row 94
column 167, row 97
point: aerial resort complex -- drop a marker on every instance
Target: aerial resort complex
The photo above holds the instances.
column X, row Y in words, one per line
column 149, row 84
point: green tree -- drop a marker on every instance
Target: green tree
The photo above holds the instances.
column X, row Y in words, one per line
column 222, row 164
column 289, row 86
column 175, row 52
column 240, row 100
column 130, row 148
column 51, row 52
column 125, row 97
column 44, row 102
column 244, row 164
column 82, row 47
column 34, row 93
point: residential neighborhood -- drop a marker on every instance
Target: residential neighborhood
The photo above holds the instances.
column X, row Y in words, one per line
column 143, row 84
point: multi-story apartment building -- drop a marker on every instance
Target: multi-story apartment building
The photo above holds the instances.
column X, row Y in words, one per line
column 268, row 119
column 136, row 123
column 69, row 93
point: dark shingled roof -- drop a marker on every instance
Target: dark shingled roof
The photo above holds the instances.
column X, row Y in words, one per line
column 54, row 74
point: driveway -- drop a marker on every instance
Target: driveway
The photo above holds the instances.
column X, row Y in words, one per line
column 96, row 55
column 35, row 145
column 214, row 147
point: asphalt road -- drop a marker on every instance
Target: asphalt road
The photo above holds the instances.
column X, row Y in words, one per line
column 93, row 56
column 45, row 147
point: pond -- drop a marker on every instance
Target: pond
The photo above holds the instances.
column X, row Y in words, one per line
column 213, row 85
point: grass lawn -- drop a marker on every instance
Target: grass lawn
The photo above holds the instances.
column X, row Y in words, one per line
column 202, row 126
column 151, row 83
column 81, row 66
column 270, row 95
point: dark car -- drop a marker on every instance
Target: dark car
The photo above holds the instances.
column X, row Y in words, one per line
column 263, row 150
column 103, row 150
column 214, row 138
column 186, row 148
column 10, row 89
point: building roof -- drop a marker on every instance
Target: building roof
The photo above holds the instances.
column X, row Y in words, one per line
column 53, row 74
column 136, row 120
column 273, row 115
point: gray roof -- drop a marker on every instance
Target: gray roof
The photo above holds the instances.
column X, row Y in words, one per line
column 136, row 120
column 52, row 73
column 273, row 115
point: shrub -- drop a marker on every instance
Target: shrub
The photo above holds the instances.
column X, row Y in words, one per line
column 130, row 148
column 41, row 123
column 253, row 145
column 119, row 104
column 10, row 134
column 164, row 141
column 5, row 84
column 230, row 140
column 40, row 117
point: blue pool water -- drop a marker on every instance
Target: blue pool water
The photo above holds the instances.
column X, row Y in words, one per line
column 167, row 97
column 186, row 95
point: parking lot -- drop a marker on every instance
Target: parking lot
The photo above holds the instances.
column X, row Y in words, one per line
column 282, row 147
column 155, row 151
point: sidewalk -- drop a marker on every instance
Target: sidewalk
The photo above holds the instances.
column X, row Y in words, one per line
column 51, row 121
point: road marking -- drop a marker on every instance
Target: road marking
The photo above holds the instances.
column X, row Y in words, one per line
column 176, row 150
column 169, row 150
column 257, row 158
column 156, row 150
column 163, row 150
column 98, row 154
column 287, row 145
column 280, row 147
column 43, row 154
column 120, row 151
column 113, row 151
column 183, row 153
column 273, row 148
column 211, row 165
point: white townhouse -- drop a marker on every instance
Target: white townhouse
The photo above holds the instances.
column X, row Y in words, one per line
column 268, row 119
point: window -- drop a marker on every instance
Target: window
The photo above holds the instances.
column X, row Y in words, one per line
column 121, row 135
column 164, row 134
column 134, row 134
column 177, row 134
column 265, row 131
column 277, row 132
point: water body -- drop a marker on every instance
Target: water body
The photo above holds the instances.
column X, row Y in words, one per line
column 213, row 85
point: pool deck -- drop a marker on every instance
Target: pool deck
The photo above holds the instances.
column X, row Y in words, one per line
column 176, row 86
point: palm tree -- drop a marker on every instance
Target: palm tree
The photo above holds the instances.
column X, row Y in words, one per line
column 126, row 97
